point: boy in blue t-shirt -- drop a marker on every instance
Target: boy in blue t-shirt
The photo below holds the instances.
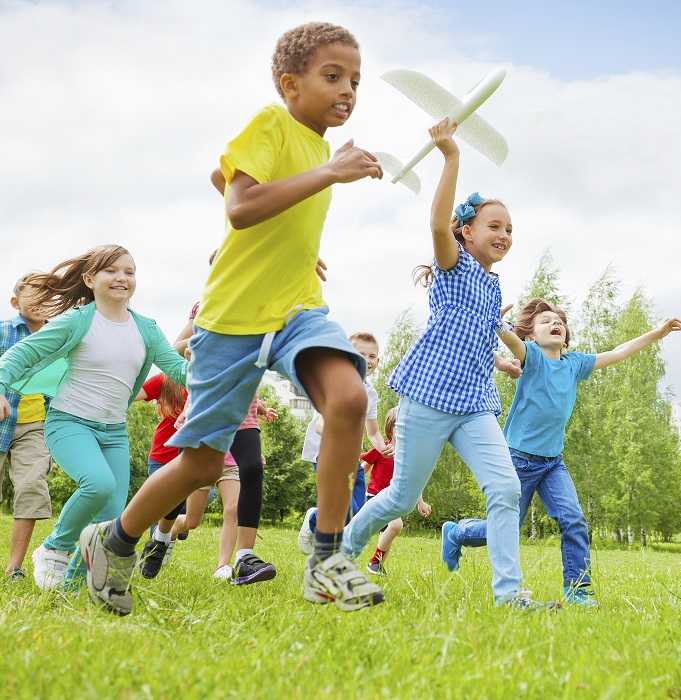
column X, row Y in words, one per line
column 535, row 430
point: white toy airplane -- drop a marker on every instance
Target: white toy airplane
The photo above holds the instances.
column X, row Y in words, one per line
column 440, row 103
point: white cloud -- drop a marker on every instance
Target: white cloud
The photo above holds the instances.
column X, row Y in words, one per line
column 113, row 116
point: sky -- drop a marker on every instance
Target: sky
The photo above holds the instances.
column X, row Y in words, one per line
column 114, row 114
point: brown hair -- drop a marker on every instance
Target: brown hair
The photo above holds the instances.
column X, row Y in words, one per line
column 525, row 323
column 365, row 336
column 295, row 48
column 22, row 283
column 171, row 398
column 423, row 274
column 63, row 287
column 212, row 256
column 389, row 426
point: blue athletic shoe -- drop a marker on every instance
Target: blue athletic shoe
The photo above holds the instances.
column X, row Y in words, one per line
column 583, row 596
column 451, row 547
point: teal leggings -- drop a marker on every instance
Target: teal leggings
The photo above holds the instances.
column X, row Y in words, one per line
column 97, row 457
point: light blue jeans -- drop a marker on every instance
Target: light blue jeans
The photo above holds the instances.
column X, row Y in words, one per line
column 420, row 435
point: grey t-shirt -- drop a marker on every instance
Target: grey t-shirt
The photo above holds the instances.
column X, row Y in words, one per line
column 102, row 372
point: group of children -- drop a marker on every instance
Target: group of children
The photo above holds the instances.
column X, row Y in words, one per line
column 262, row 308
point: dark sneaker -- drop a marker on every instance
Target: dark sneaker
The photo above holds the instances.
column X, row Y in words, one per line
column 108, row 573
column 582, row 596
column 152, row 558
column 338, row 580
column 16, row 575
column 375, row 566
column 251, row 569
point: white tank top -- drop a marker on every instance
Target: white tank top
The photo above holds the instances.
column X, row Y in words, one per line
column 102, row 373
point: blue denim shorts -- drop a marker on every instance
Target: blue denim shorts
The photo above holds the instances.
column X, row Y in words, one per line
column 223, row 376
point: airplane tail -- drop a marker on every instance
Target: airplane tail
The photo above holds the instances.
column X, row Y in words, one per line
column 394, row 167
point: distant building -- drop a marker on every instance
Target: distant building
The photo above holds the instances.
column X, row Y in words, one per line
column 299, row 405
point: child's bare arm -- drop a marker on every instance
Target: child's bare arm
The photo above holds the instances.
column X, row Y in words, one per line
column 251, row 202
column 218, row 180
column 510, row 339
column 182, row 340
column 445, row 246
column 621, row 352
column 374, row 434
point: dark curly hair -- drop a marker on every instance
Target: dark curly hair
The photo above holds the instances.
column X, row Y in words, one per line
column 295, row 48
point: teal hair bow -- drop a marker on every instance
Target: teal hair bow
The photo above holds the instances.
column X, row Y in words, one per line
column 466, row 211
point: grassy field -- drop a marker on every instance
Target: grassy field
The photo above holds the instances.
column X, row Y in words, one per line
column 437, row 635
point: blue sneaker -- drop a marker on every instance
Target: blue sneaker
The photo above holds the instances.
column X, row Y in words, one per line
column 583, row 596
column 451, row 547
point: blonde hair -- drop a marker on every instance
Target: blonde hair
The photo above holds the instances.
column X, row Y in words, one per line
column 423, row 274
column 63, row 287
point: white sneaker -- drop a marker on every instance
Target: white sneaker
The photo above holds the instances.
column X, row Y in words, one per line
column 305, row 535
column 49, row 567
column 338, row 580
column 223, row 573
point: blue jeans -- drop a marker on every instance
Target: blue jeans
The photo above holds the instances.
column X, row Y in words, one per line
column 420, row 435
column 549, row 477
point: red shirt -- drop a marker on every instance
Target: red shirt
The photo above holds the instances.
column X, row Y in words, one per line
column 381, row 472
column 165, row 429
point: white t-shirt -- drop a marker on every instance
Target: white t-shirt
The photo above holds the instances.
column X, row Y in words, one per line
column 313, row 439
column 102, row 373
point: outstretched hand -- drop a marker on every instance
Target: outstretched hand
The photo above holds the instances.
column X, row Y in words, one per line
column 511, row 367
column 350, row 163
column 442, row 134
column 669, row 326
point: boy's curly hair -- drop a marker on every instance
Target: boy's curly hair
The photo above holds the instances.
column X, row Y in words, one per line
column 295, row 48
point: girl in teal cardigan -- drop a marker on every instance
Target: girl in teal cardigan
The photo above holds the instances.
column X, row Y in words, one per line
column 92, row 358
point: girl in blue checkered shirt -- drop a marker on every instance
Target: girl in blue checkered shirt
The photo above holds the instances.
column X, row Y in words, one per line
column 445, row 380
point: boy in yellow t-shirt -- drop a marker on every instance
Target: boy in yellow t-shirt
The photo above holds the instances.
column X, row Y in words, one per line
column 262, row 308
column 22, row 440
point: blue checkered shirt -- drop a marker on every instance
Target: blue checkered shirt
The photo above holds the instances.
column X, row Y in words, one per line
column 450, row 366
column 11, row 332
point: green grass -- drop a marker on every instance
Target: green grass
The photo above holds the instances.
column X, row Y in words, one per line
column 437, row 634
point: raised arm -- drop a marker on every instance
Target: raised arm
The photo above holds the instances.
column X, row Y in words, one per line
column 250, row 202
column 445, row 246
column 621, row 352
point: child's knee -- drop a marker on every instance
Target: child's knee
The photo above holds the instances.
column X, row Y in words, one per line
column 349, row 403
column 100, row 487
column 229, row 514
column 395, row 526
column 203, row 466
column 506, row 491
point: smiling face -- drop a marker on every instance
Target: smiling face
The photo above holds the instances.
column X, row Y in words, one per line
column 549, row 330
column 368, row 350
column 325, row 94
column 488, row 237
column 114, row 283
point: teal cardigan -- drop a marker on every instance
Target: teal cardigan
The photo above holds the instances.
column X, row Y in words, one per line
column 51, row 345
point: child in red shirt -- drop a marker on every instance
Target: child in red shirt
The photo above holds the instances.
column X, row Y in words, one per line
column 381, row 469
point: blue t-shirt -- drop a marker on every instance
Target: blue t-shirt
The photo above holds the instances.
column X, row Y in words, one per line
column 544, row 398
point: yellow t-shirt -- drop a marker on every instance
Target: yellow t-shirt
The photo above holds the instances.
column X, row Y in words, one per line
column 31, row 409
column 263, row 272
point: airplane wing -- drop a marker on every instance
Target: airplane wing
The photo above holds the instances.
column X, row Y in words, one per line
column 438, row 102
